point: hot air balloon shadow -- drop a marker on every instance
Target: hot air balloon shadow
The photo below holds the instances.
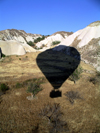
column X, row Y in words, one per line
column 57, row 64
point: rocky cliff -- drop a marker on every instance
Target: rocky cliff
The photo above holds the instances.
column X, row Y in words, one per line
column 18, row 35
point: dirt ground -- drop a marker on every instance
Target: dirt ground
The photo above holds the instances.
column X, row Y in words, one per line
column 20, row 115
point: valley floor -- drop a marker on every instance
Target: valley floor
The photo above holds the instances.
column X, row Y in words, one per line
column 79, row 103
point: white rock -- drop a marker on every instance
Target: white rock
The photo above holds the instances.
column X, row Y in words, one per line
column 12, row 48
column 48, row 41
column 85, row 36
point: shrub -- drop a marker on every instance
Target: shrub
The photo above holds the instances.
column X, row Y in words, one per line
column 34, row 86
column 4, row 87
column 30, row 43
column 55, row 42
column 39, row 39
column 53, row 113
column 96, row 78
column 76, row 74
column 19, row 58
column 72, row 95
column 3, row 55
column 19, row 85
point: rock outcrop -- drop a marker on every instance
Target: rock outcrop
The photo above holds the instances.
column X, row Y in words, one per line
column 58, row 36
column 12, row 48
column 18, row 35
column 14, row 41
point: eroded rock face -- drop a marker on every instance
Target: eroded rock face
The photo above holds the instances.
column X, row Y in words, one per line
column 18, row 35
column 57, row 36
column 13, row 47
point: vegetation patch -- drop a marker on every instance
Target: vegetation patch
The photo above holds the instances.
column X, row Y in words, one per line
column 76, row 74
column 39, row 39
column 54, row 115
column 3, row 55
column 34, row 88
column 3, row 87
column 31, row 43
column 28, row 82
column 34, row 85
column 72, row 95
column 96, row 78
column 19, row 85
column 55, row 42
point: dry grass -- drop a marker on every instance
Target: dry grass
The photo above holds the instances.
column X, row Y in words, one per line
column 20, row 115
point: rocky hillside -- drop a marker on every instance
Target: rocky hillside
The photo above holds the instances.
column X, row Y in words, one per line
column 87, row 42
column 63, row 33
column 55, row 38
column 18, row 35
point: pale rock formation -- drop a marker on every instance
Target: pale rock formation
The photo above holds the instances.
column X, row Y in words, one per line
column 84, row 36
column 18, row 35
column 58, row 36
column 12, row 48
column 48, row 41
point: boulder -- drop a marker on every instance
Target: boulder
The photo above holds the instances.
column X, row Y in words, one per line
column 12, row 47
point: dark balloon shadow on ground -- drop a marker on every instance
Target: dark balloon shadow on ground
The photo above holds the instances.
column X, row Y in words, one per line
column 57, row 65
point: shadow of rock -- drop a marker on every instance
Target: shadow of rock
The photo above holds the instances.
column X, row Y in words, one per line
column 57, row 64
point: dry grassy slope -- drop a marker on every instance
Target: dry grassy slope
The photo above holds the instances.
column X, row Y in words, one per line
column 13, row 68
column 17, row 114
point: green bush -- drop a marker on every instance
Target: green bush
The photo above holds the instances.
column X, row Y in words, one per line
column 76, row 74
column 34, row 85
column 30, row 43
column 19, row 85
column 34, row 88
column 55, row 42
column 4, row 87
column 3, row 55
column 39, row 39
